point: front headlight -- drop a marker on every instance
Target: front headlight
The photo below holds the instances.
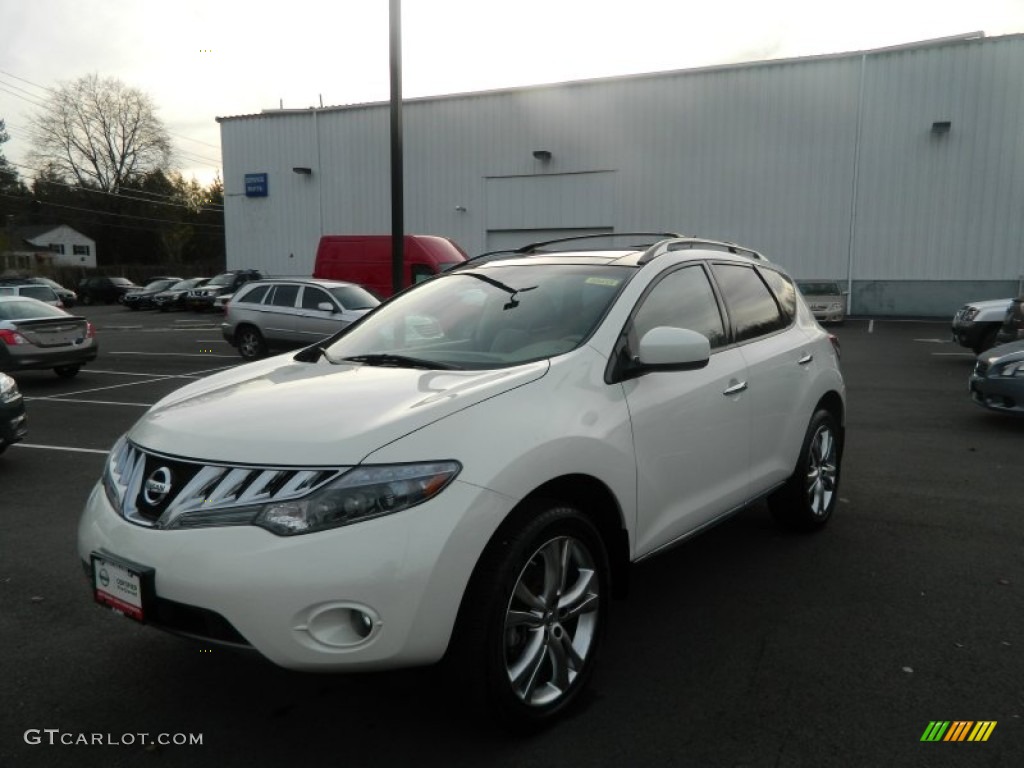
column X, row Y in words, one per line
column 360, row 494
column 1016, row 368
column 8, row 389
column 969, row 313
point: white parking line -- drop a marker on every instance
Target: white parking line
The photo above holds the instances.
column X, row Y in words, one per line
column 60, row 448
column 129, row 373
column 103, row 389
column 62, row 399
column 171, row 354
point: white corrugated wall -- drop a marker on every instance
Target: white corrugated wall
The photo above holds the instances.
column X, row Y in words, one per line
column 769, row 155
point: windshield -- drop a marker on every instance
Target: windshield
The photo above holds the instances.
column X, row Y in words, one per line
column 222, row 280
column 354, row 297
column 181, row 285
column 488, row 318
column 819, row 288
column 159, row 285
column 121, row 281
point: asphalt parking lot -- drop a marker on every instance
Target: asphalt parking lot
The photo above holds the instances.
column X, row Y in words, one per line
column 743, row 647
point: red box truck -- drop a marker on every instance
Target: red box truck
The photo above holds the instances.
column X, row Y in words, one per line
column 366, row 259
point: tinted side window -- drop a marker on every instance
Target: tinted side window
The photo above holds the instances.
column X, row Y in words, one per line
column 254, row 296
column 752, row 308
column 681, row 299
column 284, row 295
column 313, row 296
column 783, row 289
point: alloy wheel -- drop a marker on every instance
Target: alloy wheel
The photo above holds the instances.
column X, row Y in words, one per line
column 552, row 620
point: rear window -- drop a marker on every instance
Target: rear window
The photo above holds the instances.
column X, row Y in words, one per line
column 252, row 296
column 23, row 309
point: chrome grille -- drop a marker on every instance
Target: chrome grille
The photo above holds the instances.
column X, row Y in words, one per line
column 195, row 485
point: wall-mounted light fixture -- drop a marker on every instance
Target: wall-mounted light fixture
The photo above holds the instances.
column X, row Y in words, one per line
column 460, row 209
column 542, row 154
column 941, row 127
column 303, row 171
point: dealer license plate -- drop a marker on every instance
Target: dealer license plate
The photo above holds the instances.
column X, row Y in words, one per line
column 125, row 587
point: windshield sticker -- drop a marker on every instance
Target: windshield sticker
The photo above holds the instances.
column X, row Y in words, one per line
column 611, row 281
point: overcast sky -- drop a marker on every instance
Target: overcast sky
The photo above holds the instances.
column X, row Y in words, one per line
column 200, row 59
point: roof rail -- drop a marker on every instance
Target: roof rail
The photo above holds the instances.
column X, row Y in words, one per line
column 685, row 243
column 511, row 253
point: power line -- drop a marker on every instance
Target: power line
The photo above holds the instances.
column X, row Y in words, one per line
column 19, row 96
column 117, row 215
column 215, row 207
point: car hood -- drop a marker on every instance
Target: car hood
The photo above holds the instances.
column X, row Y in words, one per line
column 1004, row 352
column 280, row 412
column 989, row 303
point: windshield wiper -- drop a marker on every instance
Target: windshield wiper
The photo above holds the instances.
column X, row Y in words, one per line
column 397, row 361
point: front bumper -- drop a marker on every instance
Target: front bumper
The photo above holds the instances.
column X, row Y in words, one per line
column 1003, row 394
column 290, row 597
column 13, row 424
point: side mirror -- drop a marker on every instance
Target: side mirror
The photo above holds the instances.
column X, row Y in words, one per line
column 326, row 306
column 673, row 349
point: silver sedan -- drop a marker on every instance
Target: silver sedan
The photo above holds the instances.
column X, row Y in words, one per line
column 34, row 335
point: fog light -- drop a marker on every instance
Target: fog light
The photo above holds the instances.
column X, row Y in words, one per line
column 342, row 625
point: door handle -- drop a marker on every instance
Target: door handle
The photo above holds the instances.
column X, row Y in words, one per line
column 805, row 359
column 735, row 389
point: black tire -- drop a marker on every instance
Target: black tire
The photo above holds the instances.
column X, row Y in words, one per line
column 987, row 340
column 250, row 343
column 67, row 371
column 525, row 646
column 808, row 499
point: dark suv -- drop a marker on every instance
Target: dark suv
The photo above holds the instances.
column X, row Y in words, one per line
column 104, row 289
column 226, row 283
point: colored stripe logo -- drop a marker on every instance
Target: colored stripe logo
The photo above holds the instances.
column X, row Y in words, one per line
column 958, row 730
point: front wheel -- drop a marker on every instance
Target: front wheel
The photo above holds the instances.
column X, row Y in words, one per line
column 807, row 500
column 533, row 616
column 251, row 345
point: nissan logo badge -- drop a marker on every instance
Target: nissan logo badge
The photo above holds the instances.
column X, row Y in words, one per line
column 157, row 486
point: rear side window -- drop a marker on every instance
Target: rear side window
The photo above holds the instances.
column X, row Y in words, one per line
column 783, row 289
column 41, row 292
column 751, row 306
column 253, row 296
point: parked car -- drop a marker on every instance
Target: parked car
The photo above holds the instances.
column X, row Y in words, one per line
column 976, row 324
column 144, row 298
column 108, row 290
column 997, row 381
column 35, row 335
column 476, row 492
column 30, row 289
column 825, row 298
column 202, row 298
column 291, row 312
column 13, row 424
column 174, row 296
column 1012, row 328
column 67, row 297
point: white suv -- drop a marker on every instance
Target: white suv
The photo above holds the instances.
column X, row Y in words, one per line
column 469, row 470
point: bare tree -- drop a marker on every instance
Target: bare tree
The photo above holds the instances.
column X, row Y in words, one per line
column 99, row 133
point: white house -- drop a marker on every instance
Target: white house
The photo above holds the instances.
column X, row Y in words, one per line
column 49, row 245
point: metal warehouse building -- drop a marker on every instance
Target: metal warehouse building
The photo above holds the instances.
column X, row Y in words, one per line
column 898, row 171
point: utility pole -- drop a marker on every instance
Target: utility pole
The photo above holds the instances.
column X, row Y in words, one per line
column 397, row 176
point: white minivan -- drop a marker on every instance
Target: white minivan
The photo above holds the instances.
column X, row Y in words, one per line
column 467, row 472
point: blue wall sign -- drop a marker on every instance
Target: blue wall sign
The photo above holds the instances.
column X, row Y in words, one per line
column 255, row 185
